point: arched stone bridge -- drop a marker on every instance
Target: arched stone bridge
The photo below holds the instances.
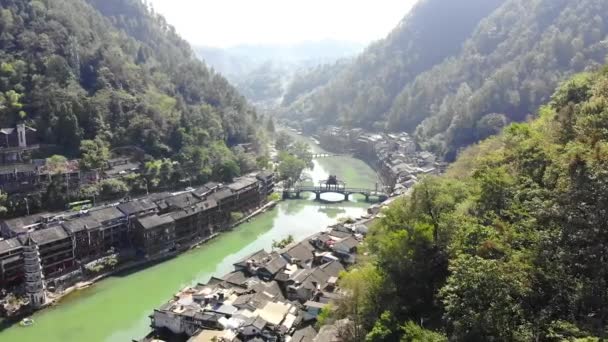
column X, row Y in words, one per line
column 295, row 192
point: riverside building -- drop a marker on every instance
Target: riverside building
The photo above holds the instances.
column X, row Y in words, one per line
column 149, row 228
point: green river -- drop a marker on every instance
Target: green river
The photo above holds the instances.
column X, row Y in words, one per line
column 117, row 308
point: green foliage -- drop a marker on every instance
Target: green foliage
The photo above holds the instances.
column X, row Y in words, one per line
column 412, row 332
column 364, row 292
column 274, row 197
column 290, row 168
column 236, row 216
column 282, row 243
column 385, row 329
column 95, row 154
column 270, row 126
column 56, row 164
column 3, row 198
column 505, row 246
column 84, row 70
column 283, row 141
column 324, row 315
column 113, row 188
column 493, row 62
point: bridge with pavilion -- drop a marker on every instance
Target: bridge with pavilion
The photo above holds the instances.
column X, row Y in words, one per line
column 334, row 186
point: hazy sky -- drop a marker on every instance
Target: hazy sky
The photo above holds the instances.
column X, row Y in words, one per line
column 223, row 23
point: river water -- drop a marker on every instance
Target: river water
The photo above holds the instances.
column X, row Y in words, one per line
column 117, row 308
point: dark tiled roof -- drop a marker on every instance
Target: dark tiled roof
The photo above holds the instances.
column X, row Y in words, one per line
column 265, row 175
column 340, row 234
column 107, row 214
column 222, row 194
column 242, row 183
column 48, row 235
column 181, row 214
column 271, row 288
column 300, row 252
column 208, row 204
column 255, row 257
column 182, row 201
column 80, row 224
column 257, row 322
column 348, row 243
column 332, row 268
column 236, row 278
column 304, row 335
column 254, row 300
column 17, row 225
column 10, row 245
column 275, row 265
column 136, row 207
column 154, row 221
column 211, row 185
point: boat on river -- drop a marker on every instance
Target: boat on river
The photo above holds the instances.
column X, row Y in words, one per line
column 26, row 322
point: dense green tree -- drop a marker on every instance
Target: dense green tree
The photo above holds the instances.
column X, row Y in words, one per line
column 290, row 168
column 412, row 332
column 114, row 70
column 510, row 245
column 95, row 154
column 283, row 141
column 113, row 188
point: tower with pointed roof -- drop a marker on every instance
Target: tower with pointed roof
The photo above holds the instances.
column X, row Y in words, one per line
column 34, row 279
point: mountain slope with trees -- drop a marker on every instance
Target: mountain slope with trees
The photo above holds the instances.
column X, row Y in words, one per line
column 365, row 90
column 511, row 64
column 511, row 60
column 510, row 245
column 113, row 70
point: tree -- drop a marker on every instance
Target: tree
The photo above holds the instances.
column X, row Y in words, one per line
column 363, row 287
column 412, row 332
column 302, row 151
column 283, row 141
column 385, row 329
column 95, row 154
column 236, row 216
column 282, row 243
column 113, row 188
column 290, row 168
column 270, row 126
column 3, row 198
column 482, row 299
column 56, row 164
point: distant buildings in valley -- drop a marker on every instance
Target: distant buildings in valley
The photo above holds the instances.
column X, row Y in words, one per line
column 394, row 156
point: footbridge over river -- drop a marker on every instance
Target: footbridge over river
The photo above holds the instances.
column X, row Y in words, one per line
column 334, row 186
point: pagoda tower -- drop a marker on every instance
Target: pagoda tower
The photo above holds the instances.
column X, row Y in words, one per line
column 34, row 279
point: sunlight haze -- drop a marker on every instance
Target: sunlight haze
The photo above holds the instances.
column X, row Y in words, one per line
column 234, row 22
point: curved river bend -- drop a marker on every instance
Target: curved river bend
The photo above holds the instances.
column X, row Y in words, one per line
column 117, row 308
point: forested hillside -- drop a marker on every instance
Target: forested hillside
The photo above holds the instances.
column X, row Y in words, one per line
column 507, row 65
column 510, row 245
column 307, row 81
column 511, row 65
column 114, row 71
column 363, row 92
